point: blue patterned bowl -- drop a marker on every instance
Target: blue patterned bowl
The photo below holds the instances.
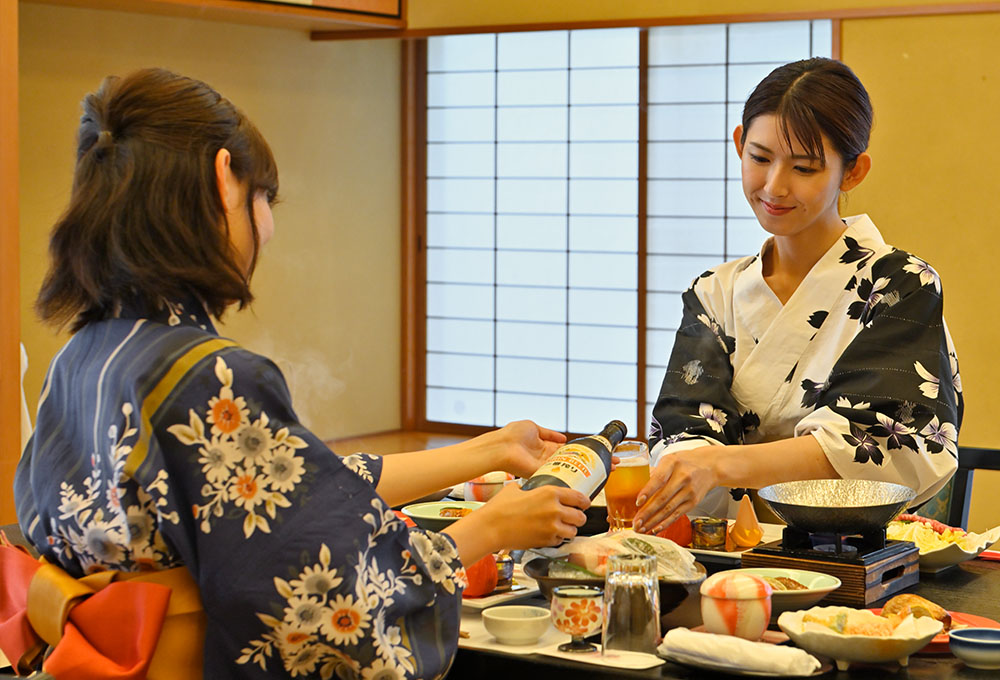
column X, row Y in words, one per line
column 977, row 647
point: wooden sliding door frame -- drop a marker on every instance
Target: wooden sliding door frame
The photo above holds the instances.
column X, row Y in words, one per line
column 413, row 411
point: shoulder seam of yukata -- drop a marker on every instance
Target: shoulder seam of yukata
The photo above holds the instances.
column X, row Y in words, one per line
column 163, row 389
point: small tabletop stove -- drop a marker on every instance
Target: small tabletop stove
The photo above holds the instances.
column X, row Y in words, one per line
column 868, row 566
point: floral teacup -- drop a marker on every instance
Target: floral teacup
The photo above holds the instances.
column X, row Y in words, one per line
column 577, row 610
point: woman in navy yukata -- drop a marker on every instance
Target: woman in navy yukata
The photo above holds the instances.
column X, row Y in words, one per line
column 159, row 443
column 825, row 355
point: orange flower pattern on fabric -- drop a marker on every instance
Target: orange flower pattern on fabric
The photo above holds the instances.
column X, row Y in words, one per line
column 225, row 415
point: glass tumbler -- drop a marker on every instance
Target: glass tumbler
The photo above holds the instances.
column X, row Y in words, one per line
column 631, row 604
column 625, row 482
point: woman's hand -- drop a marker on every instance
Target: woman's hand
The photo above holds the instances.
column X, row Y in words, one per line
column 515, row 520
column 675, row 485
column 520, row 447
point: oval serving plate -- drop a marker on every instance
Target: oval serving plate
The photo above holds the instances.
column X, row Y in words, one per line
column 817, row 587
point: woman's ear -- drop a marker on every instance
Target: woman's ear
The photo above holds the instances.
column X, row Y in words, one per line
column 738, row 140
column 857, row 172
column 225, row 181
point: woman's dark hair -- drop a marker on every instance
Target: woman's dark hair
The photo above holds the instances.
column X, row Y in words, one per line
column 812, row 98
column 145, row 221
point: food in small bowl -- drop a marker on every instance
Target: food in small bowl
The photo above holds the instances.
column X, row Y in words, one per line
column 857, row 635
column 793, row 589
column 736, row 604
column 517, row 624
column 976, row 647
column 438, row 515
column 486, row 486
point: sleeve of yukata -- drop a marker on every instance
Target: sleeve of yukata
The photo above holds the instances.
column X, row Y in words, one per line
column 891, row 407
column 696, row 406
column 303, row 569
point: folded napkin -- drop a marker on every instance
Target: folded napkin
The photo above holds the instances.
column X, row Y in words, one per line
column 726, row 650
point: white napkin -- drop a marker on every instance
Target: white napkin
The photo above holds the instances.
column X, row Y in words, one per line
column 688, row 645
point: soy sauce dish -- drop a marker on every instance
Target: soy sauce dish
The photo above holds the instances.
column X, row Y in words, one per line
column 977, row 647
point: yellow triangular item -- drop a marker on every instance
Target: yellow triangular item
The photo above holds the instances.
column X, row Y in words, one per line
column 746, row 531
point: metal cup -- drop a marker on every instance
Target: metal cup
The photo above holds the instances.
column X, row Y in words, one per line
column 631, row 604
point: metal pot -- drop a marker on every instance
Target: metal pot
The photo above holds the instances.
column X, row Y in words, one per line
column 837, row 506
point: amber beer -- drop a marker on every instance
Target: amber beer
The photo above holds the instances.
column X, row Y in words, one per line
column 625, row 482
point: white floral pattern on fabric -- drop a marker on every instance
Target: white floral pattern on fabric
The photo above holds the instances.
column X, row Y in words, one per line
column 100, row 530
column 244, row 462
column 358, row 464
column 322, row 611
column 716, row 418
column 926, row 272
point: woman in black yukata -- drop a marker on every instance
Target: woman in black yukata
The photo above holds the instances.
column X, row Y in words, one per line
column 160, row 444
column 825, row 355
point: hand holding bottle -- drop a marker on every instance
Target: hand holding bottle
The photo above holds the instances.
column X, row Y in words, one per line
column 520, row 447
column 516, row 519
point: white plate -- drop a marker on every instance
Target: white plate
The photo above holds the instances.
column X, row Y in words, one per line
column 817, row 586
column 692, row 662
column 943, row 558
column 524, row 587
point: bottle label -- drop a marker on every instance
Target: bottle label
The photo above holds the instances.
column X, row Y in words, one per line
column 577, row 465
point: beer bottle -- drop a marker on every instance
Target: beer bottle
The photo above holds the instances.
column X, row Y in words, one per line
column 582, row 464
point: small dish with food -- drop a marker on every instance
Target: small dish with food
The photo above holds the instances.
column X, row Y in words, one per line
column 439, row 515
column 793, row 589
column 858, row 635
column 941, row 546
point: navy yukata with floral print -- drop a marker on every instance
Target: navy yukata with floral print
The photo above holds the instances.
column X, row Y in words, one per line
column 859, row 357
column 160, row 444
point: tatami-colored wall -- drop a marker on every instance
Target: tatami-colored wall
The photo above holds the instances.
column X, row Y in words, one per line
column 935, row 84
column 328, row 284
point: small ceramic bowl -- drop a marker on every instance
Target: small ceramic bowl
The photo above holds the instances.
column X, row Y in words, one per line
column 486, row 486
column 977, row 647
column 517, row 624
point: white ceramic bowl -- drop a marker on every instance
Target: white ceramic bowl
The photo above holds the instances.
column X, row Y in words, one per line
column 817, row 586
column 517, row 624
column 977, row 647
column 428, row 515
column 862, row 648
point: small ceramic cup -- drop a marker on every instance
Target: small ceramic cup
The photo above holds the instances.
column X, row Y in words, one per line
column 736, row 604
column 578, row 611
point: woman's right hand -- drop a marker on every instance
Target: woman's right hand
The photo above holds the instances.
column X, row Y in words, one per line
column 515, row 519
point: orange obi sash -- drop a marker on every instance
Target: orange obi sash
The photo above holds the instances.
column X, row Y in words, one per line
column 109, row 625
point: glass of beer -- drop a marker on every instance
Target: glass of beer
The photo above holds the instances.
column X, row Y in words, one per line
column 625, row 482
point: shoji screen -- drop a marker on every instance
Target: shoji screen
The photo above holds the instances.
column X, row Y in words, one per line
column 531, row 228
column 532, row 199
column 697, row 216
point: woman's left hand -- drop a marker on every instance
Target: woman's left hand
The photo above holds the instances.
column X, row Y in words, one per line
column 520, row 447
column 675, row 485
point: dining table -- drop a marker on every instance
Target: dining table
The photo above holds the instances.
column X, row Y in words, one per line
column 971, row 587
